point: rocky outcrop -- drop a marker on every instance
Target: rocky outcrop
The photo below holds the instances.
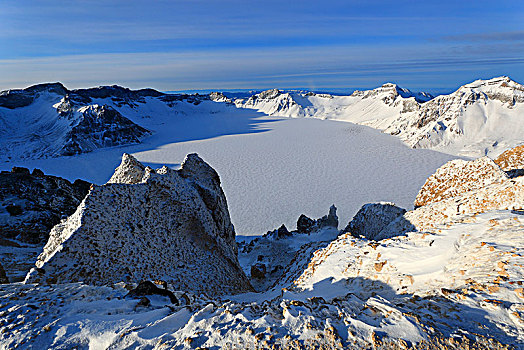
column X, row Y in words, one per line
column 101, row 126
column 307, row 225
column 457, row 177
column 173, row 225
column 512, row 161
column 32, row 203
column 505, row 195
column 372, row 218
column 3, row 276
column 279, row 233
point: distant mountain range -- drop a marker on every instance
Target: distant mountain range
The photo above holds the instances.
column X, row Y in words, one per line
column 48, row 120
column 483, row 117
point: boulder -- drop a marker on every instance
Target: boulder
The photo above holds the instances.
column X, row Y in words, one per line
column 172, row 225
column 512, row 161
column 457, row 177
column 149, row 288
column 372, row 218
column 258, row 270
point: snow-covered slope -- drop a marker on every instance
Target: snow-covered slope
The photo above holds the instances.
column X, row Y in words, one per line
column 480, row 118
column 48, row 120
column 361, row 106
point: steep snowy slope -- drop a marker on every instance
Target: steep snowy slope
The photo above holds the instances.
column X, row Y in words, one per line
column 48, row 120
column 480, row 118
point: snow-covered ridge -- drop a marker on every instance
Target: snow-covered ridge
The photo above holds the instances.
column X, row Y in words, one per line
column 480, row 118
column 48, row 120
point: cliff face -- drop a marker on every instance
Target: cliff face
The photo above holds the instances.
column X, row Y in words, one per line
column 146, row 224
column 32, row 203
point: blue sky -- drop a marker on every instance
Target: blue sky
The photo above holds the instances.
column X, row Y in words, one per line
column 194, row 44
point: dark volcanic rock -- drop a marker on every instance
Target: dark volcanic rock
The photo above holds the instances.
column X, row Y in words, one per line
column 34, row 203
column 281, row 232
column 3, row 276
column 307, row 225
column 304, row 224
column 258, row 270
column 149, row 288
column 102, row 126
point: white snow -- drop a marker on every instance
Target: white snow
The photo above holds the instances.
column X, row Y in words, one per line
column 272, row 169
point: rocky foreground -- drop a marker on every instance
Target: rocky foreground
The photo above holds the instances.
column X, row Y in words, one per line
column 149, row 260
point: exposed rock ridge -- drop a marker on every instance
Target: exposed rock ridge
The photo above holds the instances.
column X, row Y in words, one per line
column 457, row 177
column 512, row 161
column 171, row 225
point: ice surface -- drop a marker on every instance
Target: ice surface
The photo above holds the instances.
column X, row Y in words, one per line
column 272, row 169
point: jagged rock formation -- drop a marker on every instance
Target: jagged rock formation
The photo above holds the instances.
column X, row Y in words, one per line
column 172, row 225
column 32, row 203
column 372, row 218
column 279, row 256
column 512, row 161
column 307, row 225
column 457, row 177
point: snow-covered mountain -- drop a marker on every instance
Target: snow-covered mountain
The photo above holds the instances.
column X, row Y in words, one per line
column 48, row 120
column 480, row 118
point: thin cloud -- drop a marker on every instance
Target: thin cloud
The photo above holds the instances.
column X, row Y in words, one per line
column 482, row 37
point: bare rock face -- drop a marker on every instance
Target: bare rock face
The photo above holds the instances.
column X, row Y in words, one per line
column 512, row 161
column 457, row 177
column 3, row 276
column 372, row 218
column 172, row 225
column 100, row 126
column 32, row 203
column 506, row 195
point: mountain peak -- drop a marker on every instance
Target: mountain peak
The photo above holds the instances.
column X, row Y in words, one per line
column 502, row 82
